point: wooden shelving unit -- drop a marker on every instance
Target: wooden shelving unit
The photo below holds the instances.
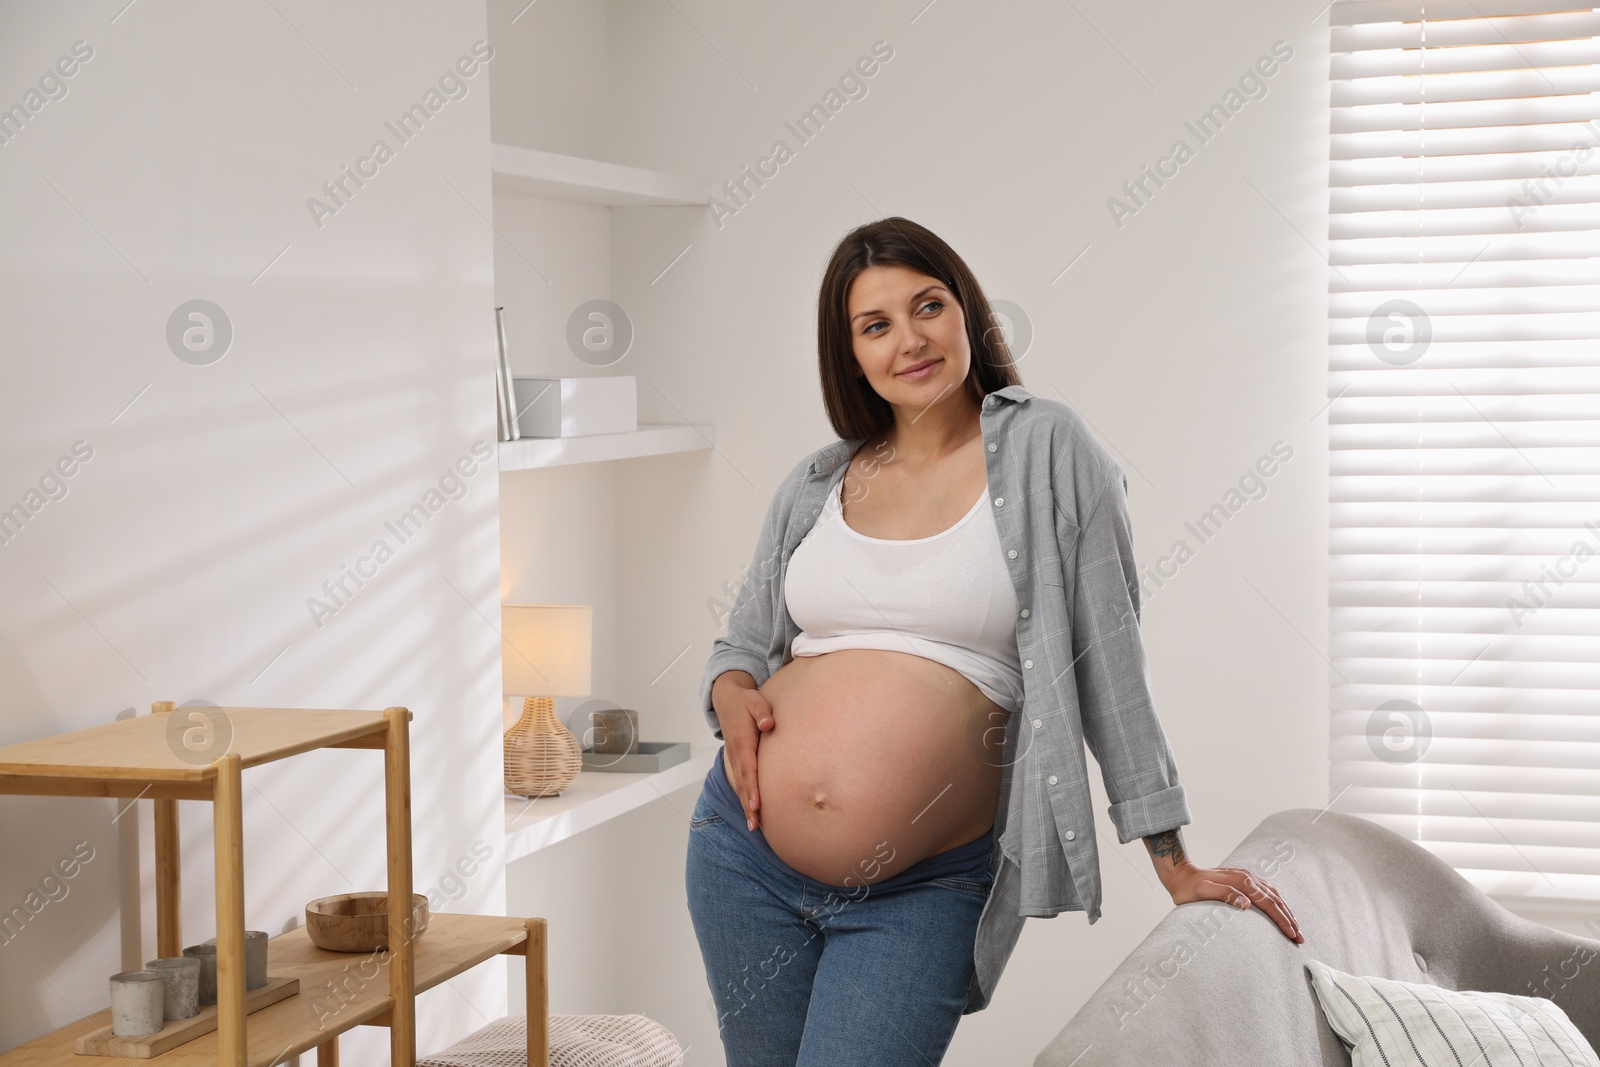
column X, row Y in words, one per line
column 139, row 758
column 452, row 944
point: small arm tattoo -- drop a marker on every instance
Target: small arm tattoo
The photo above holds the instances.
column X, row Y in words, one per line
column 1167, row 843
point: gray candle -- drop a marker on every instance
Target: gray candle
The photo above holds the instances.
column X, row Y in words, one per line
column 255, row 959
column 181, row 975
column 207, row 955
column 616, row 731
column 137, row 1002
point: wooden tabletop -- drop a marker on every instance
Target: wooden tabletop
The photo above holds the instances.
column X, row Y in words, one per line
column 180, row 746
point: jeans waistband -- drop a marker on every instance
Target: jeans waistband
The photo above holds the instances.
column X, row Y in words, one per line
column 969, row 859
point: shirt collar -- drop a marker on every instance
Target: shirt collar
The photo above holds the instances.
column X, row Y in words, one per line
column 830, row 456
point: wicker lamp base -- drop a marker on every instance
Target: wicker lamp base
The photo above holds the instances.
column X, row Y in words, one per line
column 542, row 755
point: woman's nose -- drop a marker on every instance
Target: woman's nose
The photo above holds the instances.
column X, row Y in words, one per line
column 911, row 339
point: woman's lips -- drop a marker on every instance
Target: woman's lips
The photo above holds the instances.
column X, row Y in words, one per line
column 924, row 372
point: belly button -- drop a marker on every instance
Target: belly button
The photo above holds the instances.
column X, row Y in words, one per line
column 819, row 800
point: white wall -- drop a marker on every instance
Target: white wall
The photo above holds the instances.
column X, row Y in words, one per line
column 219, row 498
column 1192, row 337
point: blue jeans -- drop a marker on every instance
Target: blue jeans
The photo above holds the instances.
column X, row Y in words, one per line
column 806, row 974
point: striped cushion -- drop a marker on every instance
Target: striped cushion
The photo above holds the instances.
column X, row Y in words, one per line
column 1400, row 1024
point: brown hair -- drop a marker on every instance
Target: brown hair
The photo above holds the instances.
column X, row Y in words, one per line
column 854, row 407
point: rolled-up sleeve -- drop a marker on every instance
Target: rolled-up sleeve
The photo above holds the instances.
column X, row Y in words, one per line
column 1117, row 708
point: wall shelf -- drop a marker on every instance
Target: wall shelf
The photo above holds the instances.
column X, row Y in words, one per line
column 595, row 797
column 651, row 439
column 530, row 172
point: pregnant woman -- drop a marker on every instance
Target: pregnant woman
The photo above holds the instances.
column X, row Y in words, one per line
column 942, row 611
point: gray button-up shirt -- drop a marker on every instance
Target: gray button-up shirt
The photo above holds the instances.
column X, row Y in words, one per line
column 1060, row 503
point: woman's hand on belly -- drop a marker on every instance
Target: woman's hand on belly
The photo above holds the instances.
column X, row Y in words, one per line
column 743, row 713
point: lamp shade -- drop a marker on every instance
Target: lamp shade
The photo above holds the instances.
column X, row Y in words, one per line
column 545, row 649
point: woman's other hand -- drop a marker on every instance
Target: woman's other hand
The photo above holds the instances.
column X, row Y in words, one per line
column 743, row 713
column 1189, row 882
column 1232, row 885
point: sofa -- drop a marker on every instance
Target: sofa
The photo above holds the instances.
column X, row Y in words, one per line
column 1213, row 984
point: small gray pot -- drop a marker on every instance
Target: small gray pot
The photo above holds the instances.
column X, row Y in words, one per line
column 207, row 955
column 181, row 975
column 255, row 959
column 137, row 1003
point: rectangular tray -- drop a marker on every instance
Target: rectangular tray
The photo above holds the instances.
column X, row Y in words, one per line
column 652, row 756
column 177, row 1031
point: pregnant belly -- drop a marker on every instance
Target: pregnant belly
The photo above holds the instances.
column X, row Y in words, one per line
column 876, row 760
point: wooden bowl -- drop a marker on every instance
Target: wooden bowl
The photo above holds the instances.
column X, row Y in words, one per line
column 358, row 922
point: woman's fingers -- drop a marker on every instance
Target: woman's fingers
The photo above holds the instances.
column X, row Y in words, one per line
column 1225, row 892
column 743, row 714
column 761, row 714
column 1271, row 892
column 744, row 775
column 760, row 710
column 1240, row 888
column 1267, row 899
column 747, row 797
column 1285, row 906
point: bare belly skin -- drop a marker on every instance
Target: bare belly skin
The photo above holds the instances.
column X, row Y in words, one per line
column 876, row 760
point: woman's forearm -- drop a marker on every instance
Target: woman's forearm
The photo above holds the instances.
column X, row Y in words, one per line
column 1166, row 852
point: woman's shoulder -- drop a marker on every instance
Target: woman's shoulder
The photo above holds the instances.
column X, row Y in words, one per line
column 1060, row 420
column 815, row 464
column 1081, row 466
column 1059, row 427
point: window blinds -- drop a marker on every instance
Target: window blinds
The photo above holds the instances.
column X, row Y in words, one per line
column 1464, row 363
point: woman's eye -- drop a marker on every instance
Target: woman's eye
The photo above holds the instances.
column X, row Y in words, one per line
column 936, row 304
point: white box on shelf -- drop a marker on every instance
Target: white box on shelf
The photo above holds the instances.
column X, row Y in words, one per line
column 576, row 407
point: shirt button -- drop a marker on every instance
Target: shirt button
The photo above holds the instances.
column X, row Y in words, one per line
column 1037, row 723
column 1024, row 613
column 1011, row 553
column 993, row 446
column 1051, row 779
column 1070, row 835
column 1028, row 663
column 999, row 501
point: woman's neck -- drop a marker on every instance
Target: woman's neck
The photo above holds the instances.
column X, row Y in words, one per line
column 933, row 435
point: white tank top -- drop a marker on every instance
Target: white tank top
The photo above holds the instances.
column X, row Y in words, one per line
column 947, row 598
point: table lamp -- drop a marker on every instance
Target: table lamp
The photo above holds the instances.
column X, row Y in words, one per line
column 545, row 651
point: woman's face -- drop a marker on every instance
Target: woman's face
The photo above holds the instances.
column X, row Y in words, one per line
column 900, row 318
